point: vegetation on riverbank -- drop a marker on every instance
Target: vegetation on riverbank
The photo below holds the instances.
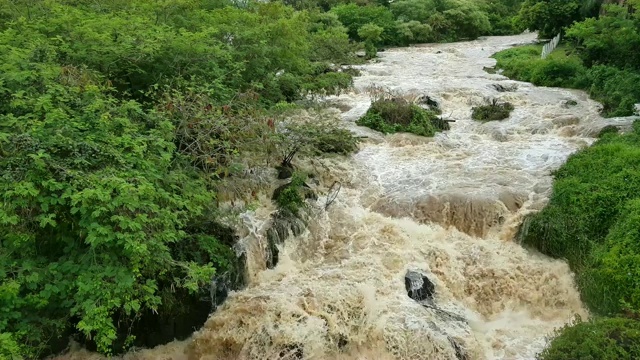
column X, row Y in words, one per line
column 598, row 55
column 607, row 338
column 593, row 217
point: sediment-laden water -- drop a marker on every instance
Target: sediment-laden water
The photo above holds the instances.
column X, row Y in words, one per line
column 447, row 207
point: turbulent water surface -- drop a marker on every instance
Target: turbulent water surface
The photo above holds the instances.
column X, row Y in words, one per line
column 447, row 207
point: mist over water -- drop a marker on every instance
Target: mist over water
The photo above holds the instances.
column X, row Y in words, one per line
column 448, row 207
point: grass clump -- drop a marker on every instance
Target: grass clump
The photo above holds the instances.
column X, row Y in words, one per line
column 602, row 339
column 390, row 114
column 493, row 111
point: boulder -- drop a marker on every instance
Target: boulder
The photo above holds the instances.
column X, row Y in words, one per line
column 418, row 286
column 505, row 88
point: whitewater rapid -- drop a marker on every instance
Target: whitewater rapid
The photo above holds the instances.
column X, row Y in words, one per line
column 447, row 206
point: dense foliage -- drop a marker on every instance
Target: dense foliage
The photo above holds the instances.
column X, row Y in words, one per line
column 118, row 123
column 416, row 21
column 599, row 55
column 550, row 17
column 600, row 339
column 493, row 111
column 391, row 115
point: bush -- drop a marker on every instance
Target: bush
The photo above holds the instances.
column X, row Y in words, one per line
column 336, row 141
column 558, row 70
column 554, row 72
column 616, row 89
column 600, row 339
column 399, row 115
column 492, row 112
column 118, row 139
column 291, row 196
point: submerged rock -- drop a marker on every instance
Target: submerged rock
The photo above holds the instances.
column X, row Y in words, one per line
column 284, row 224
column 461, row 352
column 505, row 88
column 231, row 280
column 565, row 120
column 418, row 286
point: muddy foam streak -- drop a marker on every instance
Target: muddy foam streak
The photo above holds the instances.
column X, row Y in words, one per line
column 446, row 207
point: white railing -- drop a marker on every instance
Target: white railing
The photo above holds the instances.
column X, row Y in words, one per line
column 550, row 46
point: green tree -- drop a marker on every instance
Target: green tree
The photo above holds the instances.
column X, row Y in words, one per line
column 355, row 17
column 370, row 33
column 549, row 17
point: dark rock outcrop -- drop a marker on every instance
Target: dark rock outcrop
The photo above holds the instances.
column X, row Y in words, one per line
column 418, row 286
column 285, row 171
column 232, row 279
column 283, row 225
column 429, row 101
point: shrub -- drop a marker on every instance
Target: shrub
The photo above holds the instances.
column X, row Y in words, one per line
column 600, row 339
column 492, row 112
column 554, row 72
column 336, row 141
column 291, row 196
column 399, row 115
column 616, row 89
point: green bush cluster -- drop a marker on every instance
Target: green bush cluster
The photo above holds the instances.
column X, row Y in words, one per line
column 292, row 197
column 599, row 339
column 398, row 115
column 493, row 111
